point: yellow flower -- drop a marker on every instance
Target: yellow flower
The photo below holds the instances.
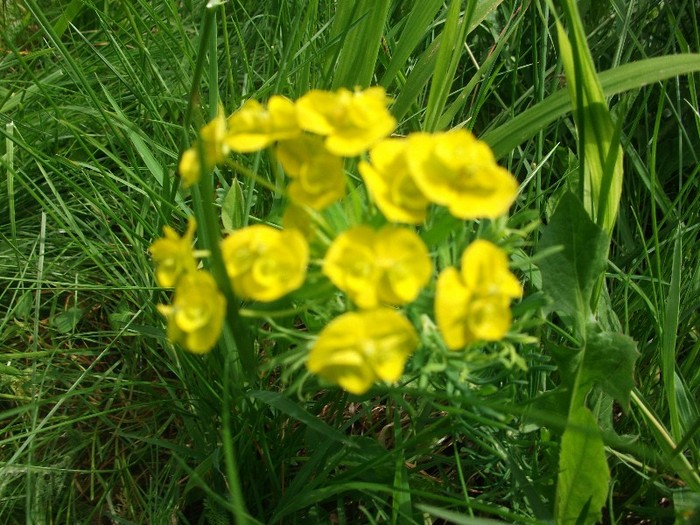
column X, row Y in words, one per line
column 264, row 263
column 390, row 183
column 214, row 147
column 350, row 264
column 388, row 266
column 474, row 304
column 196, row 316
column 358, row 348
column 350, row 121
column 173, row 255
column 254, row 127
column 317, row 175
column 456, row 170
column 298, row 218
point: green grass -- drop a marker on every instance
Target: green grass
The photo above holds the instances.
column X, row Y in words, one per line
column 103, row 421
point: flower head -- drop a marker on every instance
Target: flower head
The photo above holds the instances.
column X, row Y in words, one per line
column 474, row 303
column 358, row 348
column 213, row 146
column 456, row 170
column 390, row 183
column 196, row 316
column 388, row 266
column 298, row 218
column 264, row 263
column 254, row 126
column 317, row 175
column 350, row 121
column 173, row 255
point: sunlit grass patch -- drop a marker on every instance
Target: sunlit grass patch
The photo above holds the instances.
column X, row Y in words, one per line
column 103, row 419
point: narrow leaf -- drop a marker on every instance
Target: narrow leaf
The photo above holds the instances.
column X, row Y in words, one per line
column 668, row 339
column 527, row 124
column 417, row 23
column 288, row 407
column 448, row 55
column 364, row 28
column 599, row 145
column 233, row 207
column 423, row 70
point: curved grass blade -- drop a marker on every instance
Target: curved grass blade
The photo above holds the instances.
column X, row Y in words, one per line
column 507, row 137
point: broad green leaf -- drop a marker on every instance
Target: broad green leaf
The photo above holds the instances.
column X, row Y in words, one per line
column 582, row 484
column 485, row 68
column 13, row 99
column 569, row 275
column 686, row 503
column 416, row 81
column 607, row 361
column 147, row 155
column 599, row 142
column 65, row 322
column 69, row 13
column 401, row 501
column 527, row 124
column 6, row 370
column 609, row 364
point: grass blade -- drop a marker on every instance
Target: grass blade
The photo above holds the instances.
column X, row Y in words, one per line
column 507, row 137
column 363, row 24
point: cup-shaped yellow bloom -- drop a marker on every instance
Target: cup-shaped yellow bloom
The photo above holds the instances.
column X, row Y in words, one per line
column 254, row 126
column 317, row 175
column 358, row 348
column 264, row 263
column 474, row 304
column 456, row 170
column 391, row 185
column 350, row 121
column 350, row 264
column 197, row 314
column 302, row 219
column 173, row 255
column 214, row 147
column 388, row 266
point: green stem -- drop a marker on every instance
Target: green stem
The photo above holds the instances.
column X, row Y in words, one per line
column 236, row 337
column 207, row 26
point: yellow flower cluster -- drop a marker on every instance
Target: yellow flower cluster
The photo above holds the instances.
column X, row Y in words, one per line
column 263, row 264
column 196, row 316
column 376, row 269
column 173, row 255
column 379, row 269
column 214, row 147
column 452, row 169
column 358, row 348
column 310, row 136
column 388, row 266
column 474, row 303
